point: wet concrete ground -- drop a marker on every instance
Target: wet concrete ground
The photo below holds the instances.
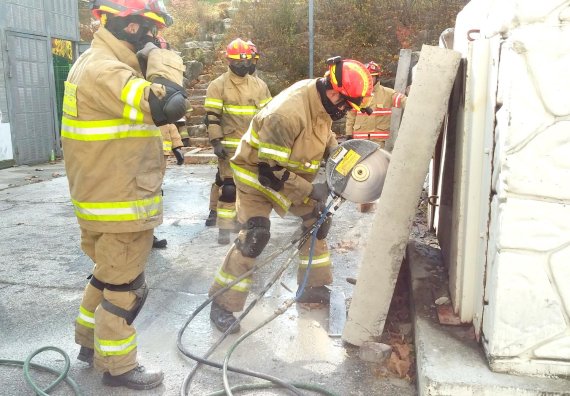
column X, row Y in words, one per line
column 43, row 273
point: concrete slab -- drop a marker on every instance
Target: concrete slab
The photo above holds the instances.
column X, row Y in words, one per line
column 397, row 205
column 200, row 158
column 449, row 359
column 43, row 273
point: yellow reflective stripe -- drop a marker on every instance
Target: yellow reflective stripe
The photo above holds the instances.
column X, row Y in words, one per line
column 309, row 167
column 227, row 213
column 214, row 103
column 116, row 347
column 230, row 142
column 118, row 211
column 131, row 95
column 166, row 145
column 240, row 110
column 274, row 152
column 251, row 137
column 223, row 279
column 86, row 318
column 251, row 179
column 324, row 260
column 106, row 129
column 264, row 102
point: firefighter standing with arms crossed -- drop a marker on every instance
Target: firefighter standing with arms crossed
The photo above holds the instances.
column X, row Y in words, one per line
column 116, row 95
column 231, row 102
column 274, row 168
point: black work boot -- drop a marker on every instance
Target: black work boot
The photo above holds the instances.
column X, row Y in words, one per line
column 212, row 217
column 223, row 237
column 158, row 243
column 222, row 319
column 319, row 294
column 85, row 355
column 138, row 378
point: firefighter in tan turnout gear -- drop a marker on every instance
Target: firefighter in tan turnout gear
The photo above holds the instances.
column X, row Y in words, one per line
column 376, row 126
column 274, row 169
column 231, row 102
column 116, row 95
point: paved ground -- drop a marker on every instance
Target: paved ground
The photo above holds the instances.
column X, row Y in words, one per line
column 43, row 272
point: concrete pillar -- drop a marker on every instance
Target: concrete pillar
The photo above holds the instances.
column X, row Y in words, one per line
column 400, row 85
column 425, row 111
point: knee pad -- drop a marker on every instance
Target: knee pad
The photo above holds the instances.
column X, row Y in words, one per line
column 228, row 191
column 139, row 288
column 256, row 237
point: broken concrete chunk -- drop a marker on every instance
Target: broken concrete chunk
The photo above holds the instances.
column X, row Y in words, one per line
column 374, row 352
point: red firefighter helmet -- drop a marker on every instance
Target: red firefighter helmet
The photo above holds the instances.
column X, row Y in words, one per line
column 153, row 10
column 374, row 69
column 352, row 80
column 253, row 49
column 239, row 49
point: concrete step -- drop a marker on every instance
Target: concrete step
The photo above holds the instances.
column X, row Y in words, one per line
column 199, row 142
column 449, row 359
column 199, row 155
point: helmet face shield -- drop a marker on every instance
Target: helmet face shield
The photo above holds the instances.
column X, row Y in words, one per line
column 359, row 103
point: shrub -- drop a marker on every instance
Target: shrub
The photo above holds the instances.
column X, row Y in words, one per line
column 359, row 29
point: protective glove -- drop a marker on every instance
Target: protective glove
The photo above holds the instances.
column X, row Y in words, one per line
column 179, row 156
column 145, row 51
column 219, row 149
column 320, row 192
column 142, row 56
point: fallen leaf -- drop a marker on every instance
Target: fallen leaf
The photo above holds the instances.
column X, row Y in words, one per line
column 403, row 350
column 398, row 366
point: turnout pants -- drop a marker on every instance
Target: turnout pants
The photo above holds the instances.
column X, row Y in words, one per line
column 119, row 258
column 253, row 204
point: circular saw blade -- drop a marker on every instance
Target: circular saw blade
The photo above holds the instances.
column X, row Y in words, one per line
column 366, row 180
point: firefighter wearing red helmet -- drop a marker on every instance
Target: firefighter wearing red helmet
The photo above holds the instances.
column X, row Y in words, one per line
column 231, row 101
column 275, row 167
column 376, row 126
column 117, row 94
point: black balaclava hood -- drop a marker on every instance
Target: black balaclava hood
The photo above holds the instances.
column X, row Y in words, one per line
column 252, row 68
column 116, row 26
column 240, row 68
column 333, row 111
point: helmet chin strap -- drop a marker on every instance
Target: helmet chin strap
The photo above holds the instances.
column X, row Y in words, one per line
column 333, row 111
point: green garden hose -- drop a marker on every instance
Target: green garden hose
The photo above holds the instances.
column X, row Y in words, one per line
column 62, row 375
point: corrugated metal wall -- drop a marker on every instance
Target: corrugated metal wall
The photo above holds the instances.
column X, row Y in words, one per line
column 27, row 91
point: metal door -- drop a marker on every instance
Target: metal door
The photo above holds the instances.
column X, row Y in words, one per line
column 30, row 98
